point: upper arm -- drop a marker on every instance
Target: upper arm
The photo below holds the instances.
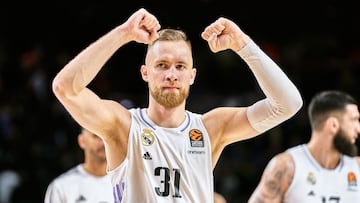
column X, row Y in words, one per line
column 105, row 118
column 227, row 125
column 94, row 113
column 275, row 180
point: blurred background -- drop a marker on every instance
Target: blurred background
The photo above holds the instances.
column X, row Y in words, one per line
column 315, row 42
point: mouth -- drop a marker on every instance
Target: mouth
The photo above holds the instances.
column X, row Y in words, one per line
column 171, row 88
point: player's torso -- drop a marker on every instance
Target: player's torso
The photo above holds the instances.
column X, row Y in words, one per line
column 313, row 184
column 168, row 164
column 78, row 186
column 90, row 191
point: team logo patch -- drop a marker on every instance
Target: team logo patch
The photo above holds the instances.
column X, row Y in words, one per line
column 147, row 137
column 196, row 138
column 311, row 178
column 352, row 182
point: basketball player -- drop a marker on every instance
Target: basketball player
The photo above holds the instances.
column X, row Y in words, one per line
column 327, row 168
column 164, row 153
column 87, row 182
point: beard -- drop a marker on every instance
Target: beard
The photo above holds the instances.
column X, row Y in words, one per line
column 343, row 144
column 169, row 99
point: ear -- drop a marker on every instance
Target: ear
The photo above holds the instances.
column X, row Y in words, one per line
column 144, row 73
column 333, row 124
column 193, row 75
column 81, row 141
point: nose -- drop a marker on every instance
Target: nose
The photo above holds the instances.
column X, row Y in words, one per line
column 358, row 127
column 171, row 74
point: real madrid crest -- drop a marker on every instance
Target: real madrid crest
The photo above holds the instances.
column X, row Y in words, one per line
column 311, row 178
column 147, row 137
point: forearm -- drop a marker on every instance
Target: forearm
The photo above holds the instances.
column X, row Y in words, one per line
column 81, row 70
column 282, row 100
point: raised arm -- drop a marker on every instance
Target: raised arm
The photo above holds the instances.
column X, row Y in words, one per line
column 282, row 100
column 108, row 119
column 275, row 180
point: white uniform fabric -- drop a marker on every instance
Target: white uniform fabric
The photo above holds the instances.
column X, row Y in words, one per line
column 165, row 164
column 282, row 100
column 78, row 186
column 314, row 184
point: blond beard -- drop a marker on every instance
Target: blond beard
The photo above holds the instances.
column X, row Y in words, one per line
column 169, row 99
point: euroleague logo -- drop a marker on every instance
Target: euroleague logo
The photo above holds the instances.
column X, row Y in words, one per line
column 196, row 138
column 352, row 182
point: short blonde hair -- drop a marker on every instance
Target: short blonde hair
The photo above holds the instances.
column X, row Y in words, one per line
column 169, row 34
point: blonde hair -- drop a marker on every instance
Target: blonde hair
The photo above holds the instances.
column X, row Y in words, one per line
column 170, row 34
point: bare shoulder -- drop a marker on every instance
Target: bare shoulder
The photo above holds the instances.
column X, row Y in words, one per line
column 283, row 158
column 281, row 168
column 275, row 179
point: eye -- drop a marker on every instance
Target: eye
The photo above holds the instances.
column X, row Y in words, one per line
column 180, row 67
column 161, row 65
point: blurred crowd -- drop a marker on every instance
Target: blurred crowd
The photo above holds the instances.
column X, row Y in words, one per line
column 38, row 137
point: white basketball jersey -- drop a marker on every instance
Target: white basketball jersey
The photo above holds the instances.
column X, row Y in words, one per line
column 165, row 164
column 314, row 184
column 78, row 186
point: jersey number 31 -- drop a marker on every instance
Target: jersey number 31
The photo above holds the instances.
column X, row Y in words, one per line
column 166, row 182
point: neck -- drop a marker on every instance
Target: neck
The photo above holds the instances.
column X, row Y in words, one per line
column 96, row 168
column 167, row 117
column 324, row 153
